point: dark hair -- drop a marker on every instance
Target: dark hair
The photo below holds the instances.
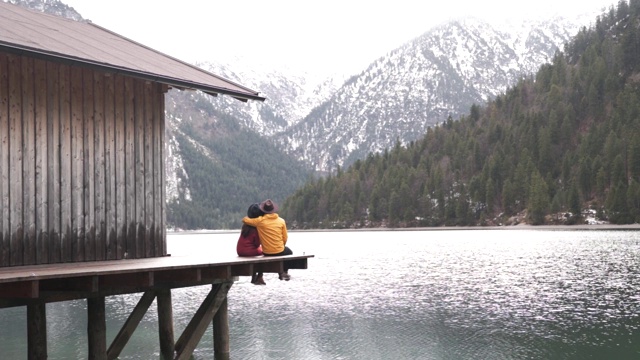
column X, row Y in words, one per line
column 253, row 212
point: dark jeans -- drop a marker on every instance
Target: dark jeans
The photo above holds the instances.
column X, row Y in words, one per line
column 286, row 251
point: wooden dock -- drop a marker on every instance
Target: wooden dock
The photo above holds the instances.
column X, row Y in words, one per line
column 34, row 286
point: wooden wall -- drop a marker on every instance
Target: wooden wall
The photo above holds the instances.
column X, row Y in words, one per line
column 81, row 164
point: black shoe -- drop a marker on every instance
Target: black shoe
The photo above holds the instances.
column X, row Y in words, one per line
column 284, row 276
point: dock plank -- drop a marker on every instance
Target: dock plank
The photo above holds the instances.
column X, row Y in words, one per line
column 113, row 267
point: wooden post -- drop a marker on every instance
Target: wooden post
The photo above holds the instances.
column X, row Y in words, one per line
column 96, row 328
column 37, row 330
column 165, row 324
column 221, row 332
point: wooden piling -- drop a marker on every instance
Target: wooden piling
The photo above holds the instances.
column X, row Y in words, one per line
column 221, row 346
column 36, row 330
column 165, row 324
column 96, row 328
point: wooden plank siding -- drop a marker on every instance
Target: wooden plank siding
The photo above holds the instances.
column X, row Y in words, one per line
column 41, row 170
column 65, row 165
column 89, row 172
column 148, row 169
column 99, row 179
column 139, row 173
column 28, row 160
column 15, row 162
column 130, row 163
column 5, row 230
column 119, row 174
column 77, row 166
column 81, row 164
column 159, row 177
column 53, row 164
column 114, row 251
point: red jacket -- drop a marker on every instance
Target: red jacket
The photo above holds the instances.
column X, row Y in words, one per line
column 249, row 244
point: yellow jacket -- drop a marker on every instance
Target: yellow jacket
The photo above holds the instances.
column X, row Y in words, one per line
column 272, row 230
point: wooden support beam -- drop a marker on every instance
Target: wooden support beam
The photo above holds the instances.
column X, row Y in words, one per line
column 96, row 328
column 269, row 267
column 165, row 324
column 20, row 290
column 195, row 329
column 36, row 330
column 182, row 277
column 221, row 332
column 7, row 303
column 242, row 270
column 130, row 325
column 216, row 273
column 87, row 284
column 139, row 280
column 297, row 264
column 278, row 266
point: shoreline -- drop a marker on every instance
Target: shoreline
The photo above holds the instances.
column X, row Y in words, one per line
column 513, row 227
column 440, row 228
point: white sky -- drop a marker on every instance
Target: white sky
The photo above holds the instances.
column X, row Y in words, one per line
column 346, row 35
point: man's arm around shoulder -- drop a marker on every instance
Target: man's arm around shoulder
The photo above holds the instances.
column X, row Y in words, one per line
column 252, row 222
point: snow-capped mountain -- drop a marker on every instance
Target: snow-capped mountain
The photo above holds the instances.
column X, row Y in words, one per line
column 422, row 83
column 291, row 94
column 52, row 7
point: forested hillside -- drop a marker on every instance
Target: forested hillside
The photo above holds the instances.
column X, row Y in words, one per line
column 223, row 167
column 561, row 141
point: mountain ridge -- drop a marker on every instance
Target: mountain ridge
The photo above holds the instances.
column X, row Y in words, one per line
column 420, row 84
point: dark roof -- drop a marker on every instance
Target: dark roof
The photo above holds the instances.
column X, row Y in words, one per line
column 36, row 34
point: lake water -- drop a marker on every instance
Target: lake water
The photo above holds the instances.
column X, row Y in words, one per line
column 442, row 294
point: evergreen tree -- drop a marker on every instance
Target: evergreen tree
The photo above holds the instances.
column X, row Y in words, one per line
column 633, row 201
column 634, row 158
column 574, row 201
column 538, row 204
column 617, row 205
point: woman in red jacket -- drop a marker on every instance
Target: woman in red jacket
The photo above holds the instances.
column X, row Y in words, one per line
column 249, row 241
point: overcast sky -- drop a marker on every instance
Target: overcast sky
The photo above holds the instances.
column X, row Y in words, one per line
column 341, row 34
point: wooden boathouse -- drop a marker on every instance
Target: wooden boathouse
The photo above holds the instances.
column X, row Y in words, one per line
column 82, row 183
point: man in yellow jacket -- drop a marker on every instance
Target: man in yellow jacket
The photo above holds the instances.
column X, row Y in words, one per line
column 272, row 230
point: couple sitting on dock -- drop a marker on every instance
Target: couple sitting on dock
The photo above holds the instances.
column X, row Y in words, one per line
column 264, row 233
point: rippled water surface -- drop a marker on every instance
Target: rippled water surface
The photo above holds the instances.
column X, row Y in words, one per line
column 460, row 294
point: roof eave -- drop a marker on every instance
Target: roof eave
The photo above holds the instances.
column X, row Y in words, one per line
column 211, row 90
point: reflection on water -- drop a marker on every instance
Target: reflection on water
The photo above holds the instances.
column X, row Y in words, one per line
column 467, row 294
